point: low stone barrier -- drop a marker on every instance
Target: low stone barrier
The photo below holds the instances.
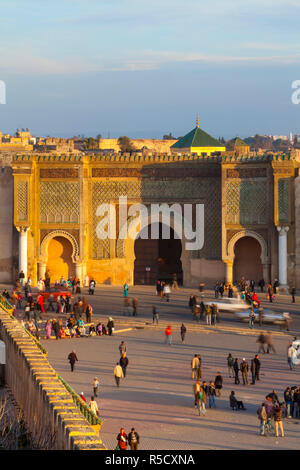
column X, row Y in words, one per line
column 51, row 409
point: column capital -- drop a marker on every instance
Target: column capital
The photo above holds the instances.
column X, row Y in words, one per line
column 22, row 228
column 282, row 229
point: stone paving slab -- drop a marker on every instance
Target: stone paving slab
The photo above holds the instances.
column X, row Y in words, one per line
column 156, row 395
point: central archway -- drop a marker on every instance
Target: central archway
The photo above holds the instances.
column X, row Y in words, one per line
column 157, row 259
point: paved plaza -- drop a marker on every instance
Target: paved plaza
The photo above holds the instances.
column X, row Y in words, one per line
column 156, row 396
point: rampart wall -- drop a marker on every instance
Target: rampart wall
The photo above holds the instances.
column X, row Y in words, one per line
column 48, row 407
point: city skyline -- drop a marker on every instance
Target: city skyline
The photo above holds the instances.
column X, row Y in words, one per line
column 144, row 70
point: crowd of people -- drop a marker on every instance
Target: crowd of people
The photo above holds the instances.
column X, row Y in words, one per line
column 78, row 322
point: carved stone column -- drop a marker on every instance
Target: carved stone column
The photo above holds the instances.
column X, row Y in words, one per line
column 23, row 250
column 282, row 257
column 229, row 271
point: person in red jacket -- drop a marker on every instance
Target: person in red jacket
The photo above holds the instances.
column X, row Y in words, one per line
column 168, row 333
column 122, row 439
column 41, row 303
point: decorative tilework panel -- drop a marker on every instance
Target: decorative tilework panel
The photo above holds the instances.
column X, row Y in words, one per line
column 59, row 202
column 22, row 197
column 283, row 200
column 246, row 201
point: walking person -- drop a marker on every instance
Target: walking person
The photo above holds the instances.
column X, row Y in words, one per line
column 262, row 285
column 262, row 416
column 251, row 318
column 133, row 439
column 208, row 314
column 122, row 348
column 270, row 293
column 124, row 363
column 48, row 329
column 293, row 293
column 155, row 315
column 110, row 326
column 244, row 367
column 50, row 300
column 257, row 364
column 196, row 390
column 218, row 384
column 260, row 315
column 291, row 354
column 236, row 371
column 211, row 395
column 269, row 341
column 72, row 359
column 88, row 313
column 92, row 286
column 93, row 406
column 134, row 306
column 182, row 332
column 230, row 362
column 168, row 335
column 201, row 402
column 95, row 385
column 167, row 292
column 122, row 439
column 118, row 374
column 252, row 368
column 287, row 395
column 277, row 414
column 195, row 365
column 125, row 289
column 199, row 371
column 262, row 341
column 296, row 403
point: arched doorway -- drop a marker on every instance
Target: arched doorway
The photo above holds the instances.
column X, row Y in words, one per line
column 247, row 259
column 157, row 259
column 59, row 259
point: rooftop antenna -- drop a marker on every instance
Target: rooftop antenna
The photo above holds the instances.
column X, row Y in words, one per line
column 197, row 121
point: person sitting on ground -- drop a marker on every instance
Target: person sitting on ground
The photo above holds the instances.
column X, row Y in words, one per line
column 234, row 403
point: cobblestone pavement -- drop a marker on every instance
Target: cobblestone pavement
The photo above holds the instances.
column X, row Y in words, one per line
column 156, row 395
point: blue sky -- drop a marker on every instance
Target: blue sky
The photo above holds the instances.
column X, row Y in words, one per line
column 145, row 68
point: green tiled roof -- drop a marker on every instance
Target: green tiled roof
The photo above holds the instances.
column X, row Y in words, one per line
column 197, row 138
column 238, row 141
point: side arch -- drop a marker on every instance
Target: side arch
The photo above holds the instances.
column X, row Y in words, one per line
column 230, row 255
column 247, row 233
column 58, row 233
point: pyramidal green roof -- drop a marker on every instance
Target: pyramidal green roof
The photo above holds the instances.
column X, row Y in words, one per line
column 238, row 141
column 197, row 138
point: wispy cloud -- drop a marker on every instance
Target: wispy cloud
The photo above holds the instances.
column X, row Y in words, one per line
column 34, row 64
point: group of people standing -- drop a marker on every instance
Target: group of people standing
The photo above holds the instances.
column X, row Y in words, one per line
column 202, row 390
column 235, row 368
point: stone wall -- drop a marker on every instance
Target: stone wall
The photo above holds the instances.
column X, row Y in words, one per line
column 47, row 405
column 297, row 232
column 155, row 145
column 6, row 223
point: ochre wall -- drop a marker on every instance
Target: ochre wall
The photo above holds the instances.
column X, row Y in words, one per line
column 155, row 145
column 47, row 405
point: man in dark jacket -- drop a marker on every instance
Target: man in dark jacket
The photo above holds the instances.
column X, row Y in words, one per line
column 236, row 371
column 72, row 359
column 252, row 368
column 133, row 439
column 257, row 366
column 218, row 384
column 287, row 395
column 124, row 363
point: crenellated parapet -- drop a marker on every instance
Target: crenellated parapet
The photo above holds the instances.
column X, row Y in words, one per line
column 144, row 158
